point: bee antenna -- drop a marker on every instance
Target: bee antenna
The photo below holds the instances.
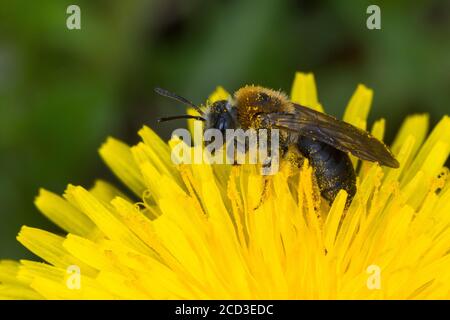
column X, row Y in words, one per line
column 171, row 95
column 183, row 116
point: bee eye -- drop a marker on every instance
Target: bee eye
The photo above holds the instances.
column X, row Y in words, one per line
column 223, row 122
column 220, row 117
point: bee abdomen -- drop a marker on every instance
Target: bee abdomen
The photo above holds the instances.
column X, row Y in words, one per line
column 333, row 168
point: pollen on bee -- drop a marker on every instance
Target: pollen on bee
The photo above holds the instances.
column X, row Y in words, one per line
column 236, row 146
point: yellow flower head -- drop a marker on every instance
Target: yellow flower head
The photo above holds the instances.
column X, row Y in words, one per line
column 195, row 234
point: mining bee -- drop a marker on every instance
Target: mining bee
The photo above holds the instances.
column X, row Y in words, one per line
column 324, row 140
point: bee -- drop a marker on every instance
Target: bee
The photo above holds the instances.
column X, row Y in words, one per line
column 324, row 140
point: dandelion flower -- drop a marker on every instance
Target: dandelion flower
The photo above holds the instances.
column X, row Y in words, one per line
column 195, row 234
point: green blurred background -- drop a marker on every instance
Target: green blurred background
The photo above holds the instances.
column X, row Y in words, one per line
column 62, row 92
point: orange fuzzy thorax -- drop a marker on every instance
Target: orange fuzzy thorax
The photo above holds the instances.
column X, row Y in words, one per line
column 252, row 100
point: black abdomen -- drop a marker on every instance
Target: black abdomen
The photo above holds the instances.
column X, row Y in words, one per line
column 333, row 168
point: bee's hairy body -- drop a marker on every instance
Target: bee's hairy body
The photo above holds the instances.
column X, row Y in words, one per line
column 304, row 133
column 333, row 168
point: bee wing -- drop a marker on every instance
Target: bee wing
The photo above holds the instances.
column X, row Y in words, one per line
column 339, row 134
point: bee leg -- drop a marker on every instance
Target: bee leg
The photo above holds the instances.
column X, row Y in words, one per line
column 267, row 162
column 293, row 159
column 264, row 193
column 266, row 167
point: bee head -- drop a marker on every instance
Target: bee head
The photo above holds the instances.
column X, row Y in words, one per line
column 221, row 116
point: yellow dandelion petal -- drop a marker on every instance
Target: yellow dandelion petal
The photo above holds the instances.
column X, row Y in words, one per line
column 218, row 94
column 105, row 191
column 357, row 111
column 358, row 107
column 54, row 283
column 8, row 271
column 119, row 158
column 439, row 136
column 415, row 126
column 63, row 214
column 49, row 247
column 333, row 218
column 12, row 286
column 378, row 129
column 304, row 91
column 106, row 221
